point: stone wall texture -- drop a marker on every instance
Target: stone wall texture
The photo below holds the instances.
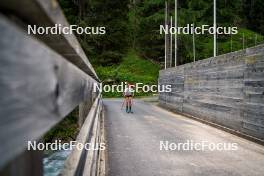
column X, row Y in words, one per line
column 227, row 90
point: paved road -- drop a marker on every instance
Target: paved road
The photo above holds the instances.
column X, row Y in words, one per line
column 134, row 145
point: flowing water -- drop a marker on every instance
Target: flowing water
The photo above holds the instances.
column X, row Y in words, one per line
column 53, row 162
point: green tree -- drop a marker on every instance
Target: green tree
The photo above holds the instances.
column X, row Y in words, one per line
column 102, row 49
column 254, row 13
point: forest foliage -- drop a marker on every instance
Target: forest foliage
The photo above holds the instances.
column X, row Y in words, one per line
column 134, row 24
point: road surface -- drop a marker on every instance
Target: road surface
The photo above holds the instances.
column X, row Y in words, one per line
column 133, row 142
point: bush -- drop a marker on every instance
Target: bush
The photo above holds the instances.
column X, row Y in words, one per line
column 109, row 58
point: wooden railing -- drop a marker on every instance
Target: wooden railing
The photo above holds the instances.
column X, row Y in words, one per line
column 87, row 162
column 42, row 79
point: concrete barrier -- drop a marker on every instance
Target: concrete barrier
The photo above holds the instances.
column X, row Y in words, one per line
column 227, row 90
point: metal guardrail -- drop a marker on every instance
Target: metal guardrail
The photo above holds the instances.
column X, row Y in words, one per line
column 42, row 79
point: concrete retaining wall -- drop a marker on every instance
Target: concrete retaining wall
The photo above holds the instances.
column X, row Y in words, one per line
column 227, row 90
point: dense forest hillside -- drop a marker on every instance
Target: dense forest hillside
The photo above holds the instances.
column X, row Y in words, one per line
column 134, row 25
column 246, row 15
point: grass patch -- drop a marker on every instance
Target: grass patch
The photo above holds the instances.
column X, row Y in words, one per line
column 132, row 69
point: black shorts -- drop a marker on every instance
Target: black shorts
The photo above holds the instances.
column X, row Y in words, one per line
column 128, row 96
